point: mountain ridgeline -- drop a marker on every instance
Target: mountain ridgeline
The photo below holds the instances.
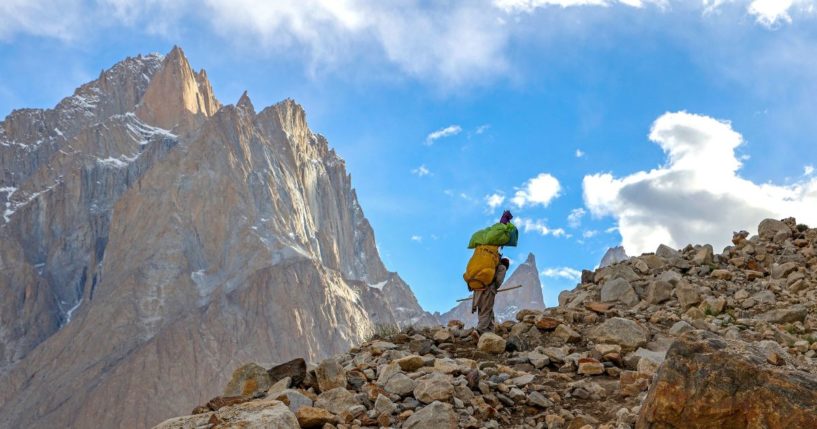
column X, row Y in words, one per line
column 151, row 235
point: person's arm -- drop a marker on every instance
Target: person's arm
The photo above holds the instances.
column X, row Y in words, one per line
column 500, row 275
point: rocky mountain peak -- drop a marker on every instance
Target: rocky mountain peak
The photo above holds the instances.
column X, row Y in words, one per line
column 143, row 225
column 245, row 103
column 612, row 256
column 176, row 95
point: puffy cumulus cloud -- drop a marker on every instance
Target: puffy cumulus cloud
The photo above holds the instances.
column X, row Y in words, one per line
column 540, row 190
column 808, row 170
column 538, row 225
column 494, row 200
column 697, row 196
column 770, row 12
column 562, row 272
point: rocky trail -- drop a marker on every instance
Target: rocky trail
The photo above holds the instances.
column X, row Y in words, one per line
column 674, row 339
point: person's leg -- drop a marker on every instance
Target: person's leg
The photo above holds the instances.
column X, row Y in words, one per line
column 485, row 307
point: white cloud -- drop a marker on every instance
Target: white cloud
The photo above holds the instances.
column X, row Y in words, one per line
column 482, row 128
column 579, row 153
column 448, row 131
column 529, row 6
column 494, row 200
column 697, row 196
column 538, row 225
column 421, row 171
column 451, row 44
column 808, row 170
column 574, row 219
column 562, row 272
column 540, row 190
column 417, row 238
column 611, row 230
column 40, row 18
column 770, row 12
column 589, row 233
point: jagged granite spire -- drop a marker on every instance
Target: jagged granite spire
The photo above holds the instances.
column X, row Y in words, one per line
column 159, row 227
column 176, row 94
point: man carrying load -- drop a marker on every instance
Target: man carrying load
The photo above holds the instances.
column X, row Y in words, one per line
column 486, row 269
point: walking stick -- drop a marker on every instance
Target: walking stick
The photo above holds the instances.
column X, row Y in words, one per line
column 500, row 290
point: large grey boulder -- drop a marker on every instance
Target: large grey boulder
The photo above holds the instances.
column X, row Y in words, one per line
column 619, row 290
column 624, row 332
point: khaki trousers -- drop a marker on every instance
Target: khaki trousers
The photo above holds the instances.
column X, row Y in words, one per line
column 483, row 304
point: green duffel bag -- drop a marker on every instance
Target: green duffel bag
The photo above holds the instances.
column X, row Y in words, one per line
column 498, row 234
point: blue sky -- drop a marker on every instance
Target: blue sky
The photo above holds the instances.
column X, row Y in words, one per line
column 647, row 121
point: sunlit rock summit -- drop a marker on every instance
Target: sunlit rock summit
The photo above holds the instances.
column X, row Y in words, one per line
column 151, row 235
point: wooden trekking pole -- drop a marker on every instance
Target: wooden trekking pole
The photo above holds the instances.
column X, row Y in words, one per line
column 500, row 290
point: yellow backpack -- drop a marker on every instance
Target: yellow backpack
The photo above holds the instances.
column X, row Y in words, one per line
column 481, row 267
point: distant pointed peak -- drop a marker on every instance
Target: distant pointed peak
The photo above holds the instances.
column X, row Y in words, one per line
column 245, row 103
column 176, row 51
column 531, row 259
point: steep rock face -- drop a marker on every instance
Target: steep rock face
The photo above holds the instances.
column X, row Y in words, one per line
column 164, row 228
column 62, row 171
column 507, row 304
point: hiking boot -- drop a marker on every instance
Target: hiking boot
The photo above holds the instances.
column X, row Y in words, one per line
column 474, row 335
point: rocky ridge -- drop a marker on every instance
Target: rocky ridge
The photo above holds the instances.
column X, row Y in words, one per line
column 146, row 224
column 676, row 338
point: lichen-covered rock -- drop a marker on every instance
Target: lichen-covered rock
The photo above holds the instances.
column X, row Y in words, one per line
column 247, row 380
column 707, row 381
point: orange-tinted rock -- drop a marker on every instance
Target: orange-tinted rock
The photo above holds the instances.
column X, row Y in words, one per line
column 311, row 417
column 708, row 382
column 548, row 323
column 598, row 307
column 225, row 401
column 590, row 366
